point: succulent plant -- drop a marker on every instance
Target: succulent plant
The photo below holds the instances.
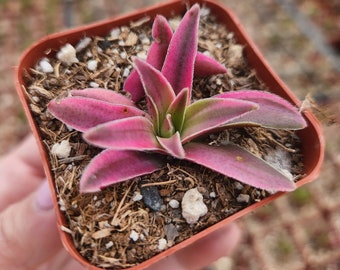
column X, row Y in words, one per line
column 172, row 124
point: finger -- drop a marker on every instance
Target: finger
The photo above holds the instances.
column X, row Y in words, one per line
column 20, row 172
column 28, row 232
column 204, row 251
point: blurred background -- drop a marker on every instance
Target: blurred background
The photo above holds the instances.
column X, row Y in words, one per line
column 301, row 41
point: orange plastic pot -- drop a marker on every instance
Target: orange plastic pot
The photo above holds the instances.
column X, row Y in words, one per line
column 311, row 137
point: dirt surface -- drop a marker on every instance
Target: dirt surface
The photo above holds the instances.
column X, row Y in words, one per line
column 279, row 236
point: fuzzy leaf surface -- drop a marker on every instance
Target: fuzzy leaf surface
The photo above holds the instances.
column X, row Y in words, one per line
column 178, row 66
column 82, row 113
column 113, row 166
column 104, row 95
column 239, row 164
column 157, row 89
column 162, row 34
column 273, row 112
column 210, row 114
column 207, row 66
column 173, row 145
column 133, row 133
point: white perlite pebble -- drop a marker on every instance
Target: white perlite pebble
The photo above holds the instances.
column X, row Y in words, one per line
column 174, row 204
column 109, row 244
column 67, row 55
column 45, row 66
column 94, row 84
column 243, row 198
column 62, row 149
column 92, row 64
column 137, row 197
column 134, row 235
column 162, row 244
column 83, row 43
column 193, row 206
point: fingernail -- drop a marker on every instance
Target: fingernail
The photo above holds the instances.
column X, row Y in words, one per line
column 44, row 199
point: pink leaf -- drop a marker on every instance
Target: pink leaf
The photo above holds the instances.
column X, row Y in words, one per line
column 173, row 145
column 273, row 112
column 112, row 166
column 178, row 66
column 239, row 164
column 82, row 113
column 133, row 133
column 157, row 89
column 210, row 114
column 161, row 33
column 104, row 95
column 207, row 66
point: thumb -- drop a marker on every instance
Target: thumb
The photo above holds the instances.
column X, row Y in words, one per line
column 28, row 231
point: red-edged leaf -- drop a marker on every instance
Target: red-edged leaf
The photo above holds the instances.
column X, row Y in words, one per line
column 173, row 145
column 239, row 164
column 157, row 89
column 207, row 66
column 273, row 112
column 210, row 114
column 113, row 166
column 133, row 133
column 82, row 113
column 161, row 33
column 104, row 95
column 178, row 66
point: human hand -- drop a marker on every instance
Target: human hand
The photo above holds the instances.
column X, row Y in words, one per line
column 28, row 234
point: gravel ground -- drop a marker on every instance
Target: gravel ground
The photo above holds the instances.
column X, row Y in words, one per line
column 298, row 231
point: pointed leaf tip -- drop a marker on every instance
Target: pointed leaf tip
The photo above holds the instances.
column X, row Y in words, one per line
column 273, row 112
column 178, row 66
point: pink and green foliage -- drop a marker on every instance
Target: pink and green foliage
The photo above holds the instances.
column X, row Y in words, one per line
column 172, row 125
column 165, row 49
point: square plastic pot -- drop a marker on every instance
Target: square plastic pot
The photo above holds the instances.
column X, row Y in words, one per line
column 311, row 137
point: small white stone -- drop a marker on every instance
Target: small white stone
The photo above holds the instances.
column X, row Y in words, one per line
column 67, row 54
column 174, row 204
column 83, row 43
column 109, row 244
column 162, row 244
column 142, row 55
column 134, row 236
column 212, row 195
column 62, row 149
column 92, row 64
column 145, row 40
column 94, row 84
column 193, row 206
column 238, row 185
column 115, row 33
column 243, row 198
column 126, row 72
column 123, row 55
column 142, row 237
column 137, row 196
column 45, row 66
